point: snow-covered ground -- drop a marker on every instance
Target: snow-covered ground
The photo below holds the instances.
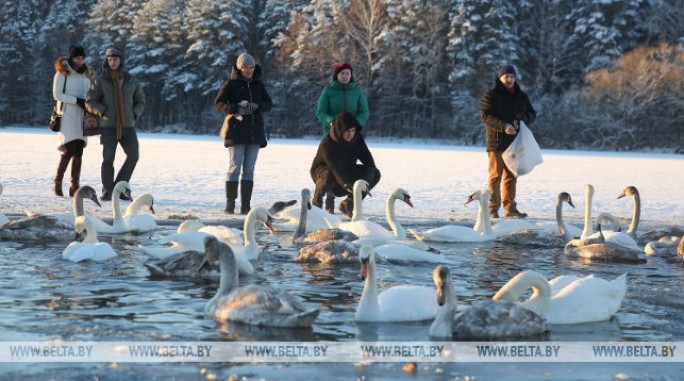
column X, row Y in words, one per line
column 186, row 175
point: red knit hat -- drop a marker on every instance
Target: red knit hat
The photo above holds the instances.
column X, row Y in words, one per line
column 341, row 66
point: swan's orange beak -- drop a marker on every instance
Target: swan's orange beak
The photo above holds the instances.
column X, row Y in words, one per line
column 364, row 270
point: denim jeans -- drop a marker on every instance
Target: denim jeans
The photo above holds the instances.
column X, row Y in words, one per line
column 242, row 156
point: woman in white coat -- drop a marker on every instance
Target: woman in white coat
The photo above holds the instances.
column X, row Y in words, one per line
column 69, row 88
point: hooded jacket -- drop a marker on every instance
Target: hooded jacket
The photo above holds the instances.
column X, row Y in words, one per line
column 340, row 156
column 101, row 100
column 339, row 97
column 500, row 107
column 77, row 84
column 249, row 129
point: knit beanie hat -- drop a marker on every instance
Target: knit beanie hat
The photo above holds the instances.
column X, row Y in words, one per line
column 341, row 66
column 113, row 51
column 76, row 51
column 245, row 59
column 507, row 69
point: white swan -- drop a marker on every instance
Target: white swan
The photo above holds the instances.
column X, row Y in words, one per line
column 49, row 227
column 137, row 222
column 368, row 229
column 254, row 304
column 231, row 235
column 3, row 218
column 487, row 319
column 399, row 252
column 395, row 304
column 594, row 247
column 316, row 218
column 182, row 258
column 581, row 300
column 542, row 237
column 325, row 234
column 118, row 224
column 457, row 233
column 90, row 249
column 656, row 234
column 626, row 239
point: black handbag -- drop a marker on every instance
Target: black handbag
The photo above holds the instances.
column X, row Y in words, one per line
column 55, row 119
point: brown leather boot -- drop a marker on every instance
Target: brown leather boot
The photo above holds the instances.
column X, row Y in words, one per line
column 59, row 176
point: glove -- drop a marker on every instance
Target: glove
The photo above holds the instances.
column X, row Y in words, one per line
column 245, row 111
column 81, row 103
column 254, row 106
column 348, row 188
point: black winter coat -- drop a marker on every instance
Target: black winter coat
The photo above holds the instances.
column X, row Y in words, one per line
column 340, row 156
column 498, row 108
column 249, row 130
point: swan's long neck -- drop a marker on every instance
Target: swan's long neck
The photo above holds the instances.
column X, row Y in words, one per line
column 390, row 213
column 91, row 232
column 483, row 223
column 540, row 300
column 229, row 273
column 116, row 208
column 369, row 305
column 441, row 326
column 357, row 213
column 562, row 228
column 588, row 195
column 636, row 214
column 303, row 215
column 77, row 205
column 135, row 206
column 249, row 232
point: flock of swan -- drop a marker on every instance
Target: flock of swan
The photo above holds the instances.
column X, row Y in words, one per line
column 199, row 250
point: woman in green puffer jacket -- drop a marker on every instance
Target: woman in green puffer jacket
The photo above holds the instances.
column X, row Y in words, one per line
column 343, row 94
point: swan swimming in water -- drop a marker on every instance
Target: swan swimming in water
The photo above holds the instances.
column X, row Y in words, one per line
column 187, row 250
column 137, row 222
column 253, row 304
column 595, row 248
column 90, row 249
column 457, row 233
column 325, row 245
column 487, row 319
column 118, row 225
column 395, row 304
column 49, row 227
column 574, row 300
column 326, row 234
column 544, row 238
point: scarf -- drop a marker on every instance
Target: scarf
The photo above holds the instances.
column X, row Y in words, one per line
column 117, row 76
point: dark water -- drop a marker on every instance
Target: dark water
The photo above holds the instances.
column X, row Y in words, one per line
column 44, row 297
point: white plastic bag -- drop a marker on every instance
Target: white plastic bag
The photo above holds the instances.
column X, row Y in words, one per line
column 523, row 154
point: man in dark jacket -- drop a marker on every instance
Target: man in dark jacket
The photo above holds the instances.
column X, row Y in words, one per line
column 118, row 99
column 335, row 167
column 502, row 108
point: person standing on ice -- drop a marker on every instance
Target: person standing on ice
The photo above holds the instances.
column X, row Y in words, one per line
column 335, row 169
column 69, row 88
column 117, row 97
column 244, row 98
column 342, row 94
column 501, row 109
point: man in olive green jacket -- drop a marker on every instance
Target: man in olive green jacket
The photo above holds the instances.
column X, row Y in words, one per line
column 118, row 99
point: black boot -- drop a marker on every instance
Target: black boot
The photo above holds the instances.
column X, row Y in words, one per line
column 246, row 187
column 59, row 176
column 330, row 203
column 75, row 175
column 231, row 195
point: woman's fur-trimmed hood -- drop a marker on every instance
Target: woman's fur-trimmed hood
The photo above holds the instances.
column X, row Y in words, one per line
column 62, row 66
